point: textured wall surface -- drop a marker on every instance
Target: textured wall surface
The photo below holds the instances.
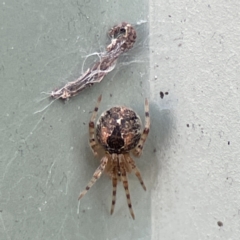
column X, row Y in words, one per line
column 195, row 49
column 185, row 60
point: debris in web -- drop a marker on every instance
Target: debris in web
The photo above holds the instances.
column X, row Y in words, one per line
column 123, row 37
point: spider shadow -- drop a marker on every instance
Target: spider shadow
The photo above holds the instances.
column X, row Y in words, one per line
column 162, row 122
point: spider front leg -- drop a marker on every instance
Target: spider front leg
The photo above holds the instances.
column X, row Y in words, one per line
column 138, row 149
column 97, row 174
column 92, row 140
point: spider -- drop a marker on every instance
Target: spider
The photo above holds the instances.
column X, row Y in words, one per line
column 118, row 132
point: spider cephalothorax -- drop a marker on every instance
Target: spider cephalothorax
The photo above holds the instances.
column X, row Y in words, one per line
column 119, row 132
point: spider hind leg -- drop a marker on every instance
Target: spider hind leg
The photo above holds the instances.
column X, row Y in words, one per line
column 135, row 169
column 97, row 174
column 125, row 184
column 114, row 193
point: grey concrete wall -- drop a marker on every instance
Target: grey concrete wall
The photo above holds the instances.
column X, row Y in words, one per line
column 195, row 47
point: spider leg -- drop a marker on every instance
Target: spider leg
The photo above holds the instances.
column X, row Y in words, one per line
column 138, row 149
column 114, row 180
column 92, row 140
column 97, row 174
column 125, row 184
column 114, row 184
column 135, row 169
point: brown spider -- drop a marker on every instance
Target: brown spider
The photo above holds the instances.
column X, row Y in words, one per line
column 119, row 132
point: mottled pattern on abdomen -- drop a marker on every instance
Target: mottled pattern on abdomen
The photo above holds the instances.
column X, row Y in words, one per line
column 119, row 130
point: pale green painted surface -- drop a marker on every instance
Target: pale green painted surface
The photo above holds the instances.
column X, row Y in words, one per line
column 45, row 158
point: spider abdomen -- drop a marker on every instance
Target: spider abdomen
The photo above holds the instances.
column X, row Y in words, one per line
column 119, row 130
